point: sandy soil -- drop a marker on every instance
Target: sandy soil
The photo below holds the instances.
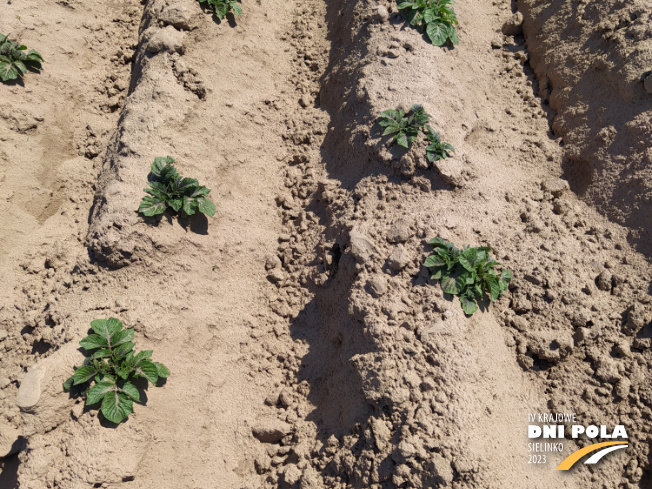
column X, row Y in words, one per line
column 308, row 346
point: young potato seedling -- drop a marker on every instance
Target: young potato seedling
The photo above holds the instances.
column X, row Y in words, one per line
column 436, row 16
column 437, row 150
column 170, row 190
column 14, row 61
column 111, row 365
column 468, row 273
column 404, row 128
column 223, row 7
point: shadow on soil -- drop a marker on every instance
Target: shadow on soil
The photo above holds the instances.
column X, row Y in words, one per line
column 9, row 472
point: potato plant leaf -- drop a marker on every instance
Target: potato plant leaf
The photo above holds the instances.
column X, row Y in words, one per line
column 131, row 390
column 162, row 371
column 111, row 364
column 84, row 374
column 469, row 273
column 94, row 341
column 116, row 406
column 148, row 370
column 468, row 304
column 98, row 391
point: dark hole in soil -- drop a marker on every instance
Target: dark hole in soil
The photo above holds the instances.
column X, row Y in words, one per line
column 27, row 330
column 579, row 174
column 40, row 347
column 541, row 365
column 337, row 254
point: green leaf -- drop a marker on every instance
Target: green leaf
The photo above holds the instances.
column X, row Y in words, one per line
column 468, row 258
column 468, row 305
column 418, row 118
column 439, row 242
column 438, row 274
column 390, row 114
column 131, row 390
column 124, row 372
column 454, row 284
column 494, row 287
column 198, row 191
column 506, row 276
column 123, row 350
column 438, row 33
column 142, row 356
column 159, row 186
column 414, row 17
column 98, row 391
column 106, row 328
column 189, row 205
column 34, row 57
column 7, row 70
column 404, row 5
column 477, row 291
column 122, row 336
column 393, row 129
column 157, row 194
column 94, row 341
column 67, row 385
column 402, row 140
column 158, row 165
column 104, row 353
column 188, row 182
column 151, row 206
column 84, row 374
column 206, row 206
column 20, row 65
column 429, row 15
column 148, row 370
column 452, row 35
column 169, row 173
column 236, row 9
column 175, row 204
column 434, row 261
column 116, row 407
column 162, row 370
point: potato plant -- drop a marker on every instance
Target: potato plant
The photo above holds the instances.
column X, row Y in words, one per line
column 14, row 61
column 469, row 273
column 223, row 7
column 435, row 16
column 169, row 190
column 437, row 149
column 111, row 365
column 404, row 127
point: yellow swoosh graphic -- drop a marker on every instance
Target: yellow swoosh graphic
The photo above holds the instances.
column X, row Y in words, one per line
column 575, row 456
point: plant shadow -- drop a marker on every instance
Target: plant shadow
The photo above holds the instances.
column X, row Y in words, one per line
column 197, row 223
column 18, row 81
